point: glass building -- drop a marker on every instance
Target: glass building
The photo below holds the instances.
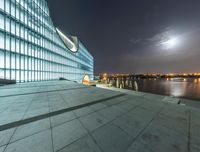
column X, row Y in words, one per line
column 33, row 49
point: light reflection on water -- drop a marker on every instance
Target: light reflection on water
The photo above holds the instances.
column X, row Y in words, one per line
column 184, row 88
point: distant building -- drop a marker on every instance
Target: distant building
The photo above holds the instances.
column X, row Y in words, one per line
column 32, row 49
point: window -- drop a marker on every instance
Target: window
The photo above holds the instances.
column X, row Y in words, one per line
column 1, row 20
column 7, row 6
column 1, row 40
column 2, row 4
column 12, row 9
column 7, row 24
column 1, row 73
column 1, row 59
column 13, row 27
column 13, row 44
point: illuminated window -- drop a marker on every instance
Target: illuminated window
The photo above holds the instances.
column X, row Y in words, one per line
column 2, row 4
column 1, row 21
column 33, row 50
column 1, row 40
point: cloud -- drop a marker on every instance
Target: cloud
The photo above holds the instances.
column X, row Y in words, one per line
column 135, row 41
column 159, row 37
column 156, row 39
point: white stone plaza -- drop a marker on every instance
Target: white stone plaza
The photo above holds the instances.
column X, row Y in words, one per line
column 64, row 116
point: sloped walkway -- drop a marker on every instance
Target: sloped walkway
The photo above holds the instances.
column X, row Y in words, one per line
column 62, row 116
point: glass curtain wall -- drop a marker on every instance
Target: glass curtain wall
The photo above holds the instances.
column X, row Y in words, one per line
column 31, row 49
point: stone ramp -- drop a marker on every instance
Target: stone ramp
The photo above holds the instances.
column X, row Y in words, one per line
column 107, row 121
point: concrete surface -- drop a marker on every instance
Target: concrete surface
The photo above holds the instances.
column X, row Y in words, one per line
column 63, row 116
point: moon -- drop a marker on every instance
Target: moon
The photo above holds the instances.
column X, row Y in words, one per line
column 171, row 43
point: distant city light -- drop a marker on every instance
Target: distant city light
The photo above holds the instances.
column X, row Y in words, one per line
column 105, row 76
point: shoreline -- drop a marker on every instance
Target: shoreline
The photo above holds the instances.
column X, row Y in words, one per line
column 176, row 100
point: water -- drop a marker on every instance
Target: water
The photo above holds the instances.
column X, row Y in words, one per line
column 183, row 88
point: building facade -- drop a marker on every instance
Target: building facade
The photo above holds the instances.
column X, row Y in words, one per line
column 33, row 49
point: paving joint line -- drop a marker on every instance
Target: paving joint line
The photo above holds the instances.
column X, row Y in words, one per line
column 51, row 128
column 78, row 117
column 17, row 127
column 40, row 92
column 124, row 113
column 90, row 135
column 189, row 127
column 136, row 106
column 145, row 127
column 39, row 86
column 47, row 115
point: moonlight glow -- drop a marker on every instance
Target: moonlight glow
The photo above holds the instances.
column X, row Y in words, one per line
column 171, row 43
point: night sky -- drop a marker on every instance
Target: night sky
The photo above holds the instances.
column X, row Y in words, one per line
column 129, row 36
